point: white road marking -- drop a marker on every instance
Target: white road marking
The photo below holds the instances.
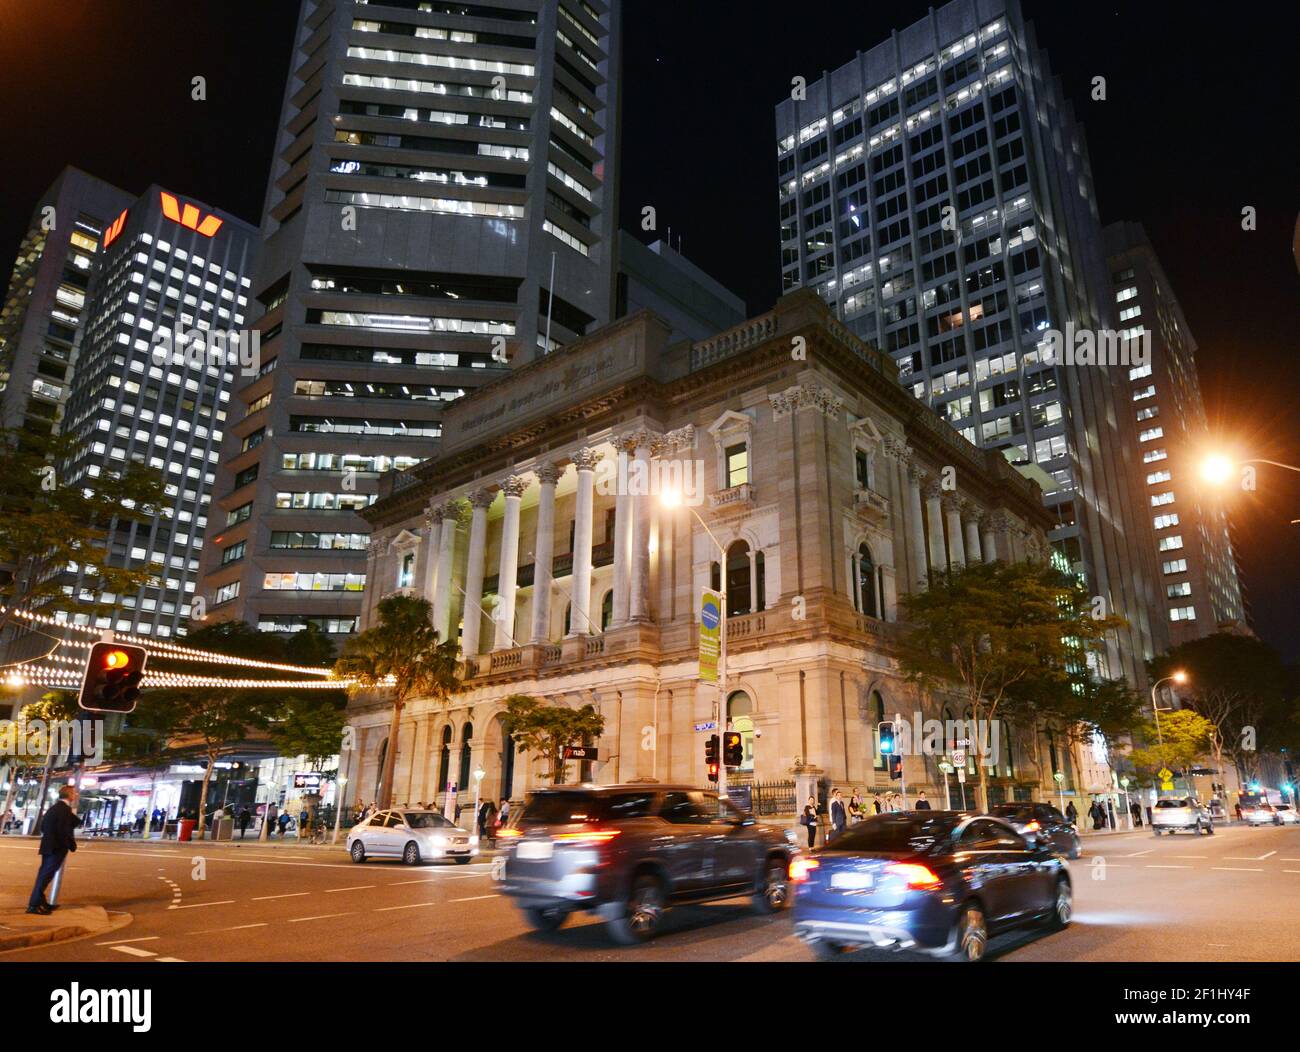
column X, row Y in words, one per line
column 119, row 942
column 1291, row 871
column 320, row 916
column 359, row 887
column 1250, row 858
column 290, row 895
column 170, row 960
column 1168, row 867
column 237, row 927
column 411, row 906
column 1195, row 856
column 1138, row 854
column 475, row 898
column 1237, row 869
column 197, row 905
column 135, row 951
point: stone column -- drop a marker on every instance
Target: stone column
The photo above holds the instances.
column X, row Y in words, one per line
column 916, row 478
column 626, row 446
column 956, row 549
column 448, row 516
column 429, row 553
column 479, row 501
column 544, row 553
column 972, row 517
column 580, row 617
column 507, row 576
column 890, row 597
column 934, row 512
column 639, row 535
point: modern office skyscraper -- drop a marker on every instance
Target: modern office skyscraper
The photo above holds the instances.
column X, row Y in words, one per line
column 442, row 201
column 936, row 191
column 1190, row 530
column 43, row 311
column 153, row 381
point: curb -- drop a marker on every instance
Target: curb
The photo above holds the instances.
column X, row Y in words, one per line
column 67, row 933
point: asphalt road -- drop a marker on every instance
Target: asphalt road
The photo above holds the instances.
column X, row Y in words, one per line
column 1231, row 897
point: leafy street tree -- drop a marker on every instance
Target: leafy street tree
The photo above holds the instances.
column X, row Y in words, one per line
column 1240, row 685
column 47, row 523
column 1012, row 639
column 1181, row 737
column 401, row 654
column 544, row 730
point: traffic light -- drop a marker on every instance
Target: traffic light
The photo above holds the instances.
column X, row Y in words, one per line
column 886, row 737
column 733, row 749
column 112, row 679
column 895, row 763
column 711, row 756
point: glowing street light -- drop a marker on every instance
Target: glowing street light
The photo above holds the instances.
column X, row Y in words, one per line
column 1217, row 469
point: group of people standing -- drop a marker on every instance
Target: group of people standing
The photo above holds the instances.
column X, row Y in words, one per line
column 843, row 814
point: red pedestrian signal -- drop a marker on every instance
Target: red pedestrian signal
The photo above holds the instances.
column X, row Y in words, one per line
column 713, row 772
column 112, row 679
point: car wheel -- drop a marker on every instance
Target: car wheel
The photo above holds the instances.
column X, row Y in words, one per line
column 411, row 854
column 642, row 914
column 1062, row 906
column 545, row 920
column 774, row 893
column 972, row 934
column 1155, row 832
column 358, row 851
column 463, row 860
column 825, row 950
column 1076, row 849
column 1209, row 829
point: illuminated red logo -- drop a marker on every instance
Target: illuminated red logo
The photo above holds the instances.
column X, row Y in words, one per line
column 114, row 228
column 188, row 215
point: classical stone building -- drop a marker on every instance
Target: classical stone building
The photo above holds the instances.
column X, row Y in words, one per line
column 543, row 538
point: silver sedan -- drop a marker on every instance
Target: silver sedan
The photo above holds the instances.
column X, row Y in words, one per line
column 414, row 836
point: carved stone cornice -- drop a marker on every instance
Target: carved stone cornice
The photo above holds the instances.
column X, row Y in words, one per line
column 917, row 475
column 952, row 502
column 679, row 441
column 632, row 441
column 449, row 511
column 514, row 486
column 896, row 449
column 1000, row 522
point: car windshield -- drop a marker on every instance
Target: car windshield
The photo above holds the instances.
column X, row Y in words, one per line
column 897, row 833
column 1173, row 803
column 1018, row 812
column 426, row 820
column 566, row 808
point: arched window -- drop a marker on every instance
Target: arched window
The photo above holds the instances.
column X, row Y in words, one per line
column 866, row 584
column 444, row 759
column 466, row 734
column 878, row 709
column 740, row 710
column 739, row 598
column 406, row 577
column 607, row 610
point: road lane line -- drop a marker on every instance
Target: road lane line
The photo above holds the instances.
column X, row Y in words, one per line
column 1291, row 871
column 237, row 927
column 135, row 951
column 119, row 942
column 170, row 960
column 411, row 906
column 1152, row 866
column 289, row 895
column 319, row 916
column 359, row 887
column 1138, row 854
column 1237, row 869
column 1269, row 855
column 197, row 905
column 1198, row 856
column 475, row 898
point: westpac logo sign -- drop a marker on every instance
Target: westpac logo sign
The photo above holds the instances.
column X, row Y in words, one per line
column 114, row 228
column 188, row 215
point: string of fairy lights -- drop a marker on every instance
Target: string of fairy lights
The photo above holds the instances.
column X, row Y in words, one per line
column 65, row 672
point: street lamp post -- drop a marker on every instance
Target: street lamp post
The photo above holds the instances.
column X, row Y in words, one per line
column 478, row 782
column 1178, row 677
column 672, row 500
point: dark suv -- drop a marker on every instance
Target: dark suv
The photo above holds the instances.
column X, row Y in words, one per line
column 630, row 851
column 1041, row 822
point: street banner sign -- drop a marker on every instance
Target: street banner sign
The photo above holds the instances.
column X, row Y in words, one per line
column 710, row 635
column 581, row 752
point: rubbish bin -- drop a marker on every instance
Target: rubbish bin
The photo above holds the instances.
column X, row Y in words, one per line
column 186, row 828
column 223, row 829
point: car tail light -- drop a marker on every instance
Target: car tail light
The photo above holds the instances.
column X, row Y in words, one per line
column 918, row 877
column 1033, row 827
column 508, row 834
column 589, row 836
column 801, row 869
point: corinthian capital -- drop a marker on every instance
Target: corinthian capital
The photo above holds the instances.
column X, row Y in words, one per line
column 586, row 459
column 514, row 486
column 481, row 498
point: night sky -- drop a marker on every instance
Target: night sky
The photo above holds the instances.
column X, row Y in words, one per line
column 1199, row 123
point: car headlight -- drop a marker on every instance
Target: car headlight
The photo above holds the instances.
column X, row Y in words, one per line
column 438, row 841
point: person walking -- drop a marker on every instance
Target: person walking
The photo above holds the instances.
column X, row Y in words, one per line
column 1135, row 809
column 1072, row 813
column 503, row 815
column 58, row 837
column 270, row 820
column 245, row 817
column 1110, row 813
column 922, row 804
column 809, row 820
column 284, row 824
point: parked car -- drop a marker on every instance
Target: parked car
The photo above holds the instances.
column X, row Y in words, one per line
column 939, row 881
column 1286, row 815
column 1173, row 813
column 629, row 852
column 414, row 836
column 1041, row 822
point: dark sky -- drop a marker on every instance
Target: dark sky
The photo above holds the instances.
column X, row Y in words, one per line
column 1199, row 122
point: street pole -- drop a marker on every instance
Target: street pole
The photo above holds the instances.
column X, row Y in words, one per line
column 720, row 716
column 902, row 775
column 338, row 795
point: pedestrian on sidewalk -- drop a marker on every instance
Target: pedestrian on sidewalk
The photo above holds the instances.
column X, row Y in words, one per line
column 284, row 824
column 486, row 813
column 839, row 816
column 809, row 820
column 922, row 804
column 1135, row 809
column 245, row 817
column 1110, row 813
column 1072, row 813
column 58, row 829
column 269, row 821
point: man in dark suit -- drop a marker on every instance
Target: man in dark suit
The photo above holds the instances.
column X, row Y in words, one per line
column 922, row 804
column 57, row 839
column 838, row 815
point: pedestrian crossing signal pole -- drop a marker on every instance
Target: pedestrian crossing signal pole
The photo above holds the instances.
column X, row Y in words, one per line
column 902, row 775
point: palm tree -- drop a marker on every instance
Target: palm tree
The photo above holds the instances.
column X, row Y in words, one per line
column 401, row 653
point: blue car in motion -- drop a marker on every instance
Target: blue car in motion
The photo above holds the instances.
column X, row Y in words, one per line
column 940, row 881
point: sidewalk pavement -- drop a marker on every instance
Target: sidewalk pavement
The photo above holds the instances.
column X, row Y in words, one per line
column 20, row 929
